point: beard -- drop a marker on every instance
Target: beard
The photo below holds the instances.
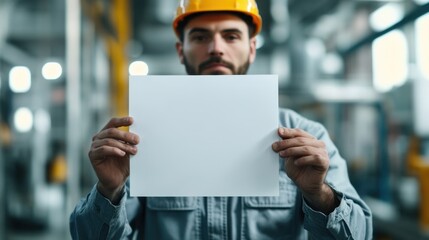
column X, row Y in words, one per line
column 240, row 70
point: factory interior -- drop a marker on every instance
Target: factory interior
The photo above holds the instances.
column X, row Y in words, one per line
column 359, row 67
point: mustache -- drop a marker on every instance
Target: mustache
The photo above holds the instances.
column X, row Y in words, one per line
column 216, row 60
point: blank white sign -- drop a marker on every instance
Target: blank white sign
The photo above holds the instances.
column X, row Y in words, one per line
column 204, row 135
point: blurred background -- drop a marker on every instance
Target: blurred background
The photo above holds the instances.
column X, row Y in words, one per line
column 360, row 67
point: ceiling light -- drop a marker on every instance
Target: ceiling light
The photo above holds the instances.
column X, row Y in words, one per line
column 23, row 120
column 20, row 79
column 52, row 71
column 138, row 68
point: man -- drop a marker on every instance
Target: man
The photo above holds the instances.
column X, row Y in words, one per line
column 316, row 198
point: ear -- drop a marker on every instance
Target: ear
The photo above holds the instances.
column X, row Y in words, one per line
column 252, row 46
column 179, row 50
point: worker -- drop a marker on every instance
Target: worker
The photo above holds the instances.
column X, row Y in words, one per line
column 316, row 200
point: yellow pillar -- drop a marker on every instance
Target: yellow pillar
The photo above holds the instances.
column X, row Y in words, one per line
column 116, row 47
column 424, row 198
column 420, row 168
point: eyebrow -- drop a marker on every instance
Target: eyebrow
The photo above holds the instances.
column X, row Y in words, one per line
column 204, row 30
column 232, row 30
column 198, row 30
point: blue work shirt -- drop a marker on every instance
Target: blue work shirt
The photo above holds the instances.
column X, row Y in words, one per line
column 284, row 217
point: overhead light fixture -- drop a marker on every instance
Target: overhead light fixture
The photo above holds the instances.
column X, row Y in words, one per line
column 23, row 120
column 52, row 71
column 138, row 68
column 20, row 79
column 386, row 16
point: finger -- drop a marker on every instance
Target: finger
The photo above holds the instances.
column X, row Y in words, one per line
column 105, row 152
column 296, row 142
column 131, row 149
column 313, row 160
column 118, row 134
column 286, row 133
column 118, row 122
column 296, row 152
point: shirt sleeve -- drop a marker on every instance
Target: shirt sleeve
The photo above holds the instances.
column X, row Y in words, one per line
column 343, row 223
column 95, row 217
column 352, row 219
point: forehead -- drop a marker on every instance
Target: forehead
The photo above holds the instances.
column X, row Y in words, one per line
column 216, row 21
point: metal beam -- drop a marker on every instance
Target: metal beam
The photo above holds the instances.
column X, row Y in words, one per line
column 4, row 17
column 413, row 15
column 5, row 12
column 73, row 96
column 15, row 56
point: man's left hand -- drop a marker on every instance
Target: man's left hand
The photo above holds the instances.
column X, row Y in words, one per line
column 306, row 163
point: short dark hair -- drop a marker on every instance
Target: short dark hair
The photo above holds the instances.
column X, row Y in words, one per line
column 246, row 18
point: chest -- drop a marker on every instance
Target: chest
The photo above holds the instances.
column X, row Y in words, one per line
column 227, row 217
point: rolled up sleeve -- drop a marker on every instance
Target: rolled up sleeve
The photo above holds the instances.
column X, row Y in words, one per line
column 95, row 217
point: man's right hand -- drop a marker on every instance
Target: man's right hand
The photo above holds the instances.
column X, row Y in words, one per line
column 110, row 157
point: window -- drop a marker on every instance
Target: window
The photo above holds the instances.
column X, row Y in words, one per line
column 422, row 45
column 390, row 60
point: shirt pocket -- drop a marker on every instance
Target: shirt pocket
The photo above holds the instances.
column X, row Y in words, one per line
column 172, row 203
column 173, row 218
column 273, row 217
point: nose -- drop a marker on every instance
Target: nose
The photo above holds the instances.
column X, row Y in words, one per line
column 216, row 46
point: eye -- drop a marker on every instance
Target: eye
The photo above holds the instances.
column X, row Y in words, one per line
column 232, row 37
column 199, row 38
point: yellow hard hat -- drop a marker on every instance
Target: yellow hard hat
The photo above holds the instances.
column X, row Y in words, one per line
column 189, row 7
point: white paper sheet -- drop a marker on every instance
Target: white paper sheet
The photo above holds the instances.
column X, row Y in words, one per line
column 204, row 135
